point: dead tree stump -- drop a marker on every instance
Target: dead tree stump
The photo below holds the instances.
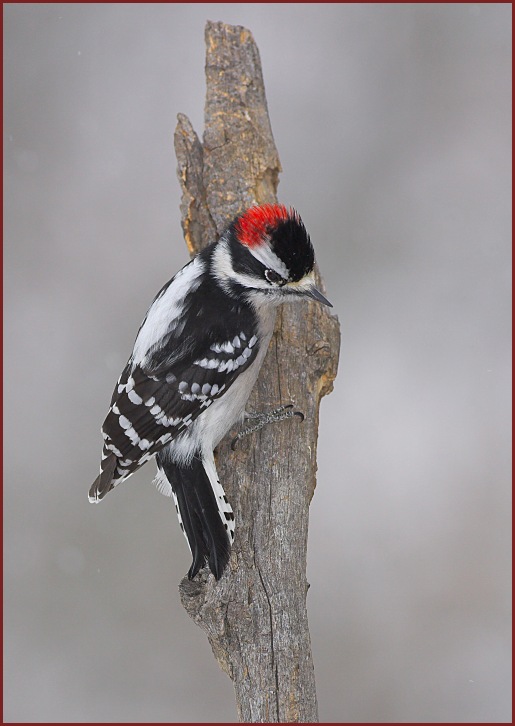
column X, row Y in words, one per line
column 255, row 617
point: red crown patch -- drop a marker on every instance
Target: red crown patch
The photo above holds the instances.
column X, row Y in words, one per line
column 253, row 226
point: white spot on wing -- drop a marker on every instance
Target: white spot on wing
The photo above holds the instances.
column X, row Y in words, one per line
column 115, row 451
column 207, row 363
column 132, row 435
column 134, row 398
column 226, row 347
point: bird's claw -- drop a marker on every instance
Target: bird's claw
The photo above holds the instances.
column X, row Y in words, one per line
column 278, row 414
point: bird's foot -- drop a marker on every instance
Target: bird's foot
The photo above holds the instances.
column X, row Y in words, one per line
column 262, row 419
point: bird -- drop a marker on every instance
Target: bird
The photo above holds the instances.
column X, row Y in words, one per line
column 194, row 363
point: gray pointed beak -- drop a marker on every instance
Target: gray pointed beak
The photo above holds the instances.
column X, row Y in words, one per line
column 315, row 294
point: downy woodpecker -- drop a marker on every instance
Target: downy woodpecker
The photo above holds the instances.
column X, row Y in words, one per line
column 195, row 361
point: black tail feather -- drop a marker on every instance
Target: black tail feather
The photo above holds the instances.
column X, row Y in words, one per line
column 104, row 481
column 203, row 527
column 192, row 526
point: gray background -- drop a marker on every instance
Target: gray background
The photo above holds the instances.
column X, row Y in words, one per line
column 394, row 129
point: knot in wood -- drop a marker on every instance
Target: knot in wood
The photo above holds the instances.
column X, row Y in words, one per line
column 321, row 348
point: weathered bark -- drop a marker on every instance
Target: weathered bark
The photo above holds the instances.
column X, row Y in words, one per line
column 255, row 616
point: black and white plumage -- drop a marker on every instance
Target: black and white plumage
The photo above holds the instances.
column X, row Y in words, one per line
column 195, row 361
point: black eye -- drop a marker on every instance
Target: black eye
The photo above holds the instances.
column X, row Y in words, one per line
column 273, row 276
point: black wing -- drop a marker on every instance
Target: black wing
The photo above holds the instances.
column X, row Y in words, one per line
column 156, row 401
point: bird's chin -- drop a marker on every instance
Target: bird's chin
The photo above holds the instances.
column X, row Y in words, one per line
column 268, row 298
column 280, row 296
